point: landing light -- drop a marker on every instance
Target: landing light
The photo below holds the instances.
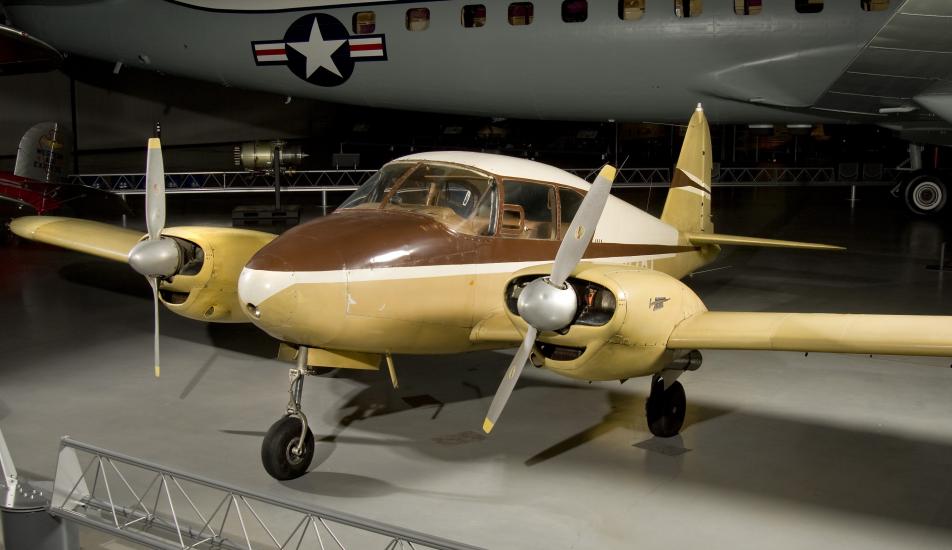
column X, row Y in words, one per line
column 254, row 311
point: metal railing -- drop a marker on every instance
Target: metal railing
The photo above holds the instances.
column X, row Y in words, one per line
column 168, row 509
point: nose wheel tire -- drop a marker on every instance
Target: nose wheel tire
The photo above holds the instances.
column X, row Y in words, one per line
column 279, row 449
column 665, row 408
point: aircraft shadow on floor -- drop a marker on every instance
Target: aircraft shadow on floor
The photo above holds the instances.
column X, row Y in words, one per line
column 840, row 468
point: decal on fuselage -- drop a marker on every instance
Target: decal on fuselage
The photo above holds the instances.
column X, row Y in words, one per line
column 319, row 49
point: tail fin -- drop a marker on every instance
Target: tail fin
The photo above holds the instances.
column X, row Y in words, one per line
column 44, row 153
column 688, row 207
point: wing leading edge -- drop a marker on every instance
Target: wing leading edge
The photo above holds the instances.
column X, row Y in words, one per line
column 820, row 332
column 95, row 238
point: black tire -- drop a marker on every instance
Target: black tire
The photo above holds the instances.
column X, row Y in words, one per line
column 276, row 455
column 926, row 195
column 665, row 409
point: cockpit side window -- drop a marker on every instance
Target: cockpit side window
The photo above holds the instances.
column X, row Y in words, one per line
column 569, row 201
column 529, row 210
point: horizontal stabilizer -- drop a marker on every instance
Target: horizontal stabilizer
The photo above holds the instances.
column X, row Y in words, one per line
column 99, row 239
column 700, row 239
column 820, row 332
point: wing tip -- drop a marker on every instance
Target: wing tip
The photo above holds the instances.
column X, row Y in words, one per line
column 27, row 226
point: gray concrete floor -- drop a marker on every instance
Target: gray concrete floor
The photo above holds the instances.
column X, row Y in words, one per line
column 780, row 450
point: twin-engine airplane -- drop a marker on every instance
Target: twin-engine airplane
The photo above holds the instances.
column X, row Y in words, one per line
column 452, row 252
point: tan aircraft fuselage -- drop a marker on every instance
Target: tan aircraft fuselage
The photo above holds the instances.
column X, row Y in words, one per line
column 388, row 281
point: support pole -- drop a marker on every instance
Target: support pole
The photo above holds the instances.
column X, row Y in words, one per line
column 276, row 165
column 74, row 118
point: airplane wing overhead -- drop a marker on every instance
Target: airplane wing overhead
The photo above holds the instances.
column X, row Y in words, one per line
column 95, row 238
column 820, row 332
column 698, row 239
column 900, row 71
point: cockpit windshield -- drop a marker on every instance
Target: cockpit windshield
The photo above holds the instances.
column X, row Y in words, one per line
column 462, row 198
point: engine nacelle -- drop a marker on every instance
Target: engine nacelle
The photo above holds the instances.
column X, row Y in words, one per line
column 206, row 285
column 614, row 337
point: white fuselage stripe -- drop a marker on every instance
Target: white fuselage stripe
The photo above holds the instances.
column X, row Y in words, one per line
column 264, row 58
column 256, row 286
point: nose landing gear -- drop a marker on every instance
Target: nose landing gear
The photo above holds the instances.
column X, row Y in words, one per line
column 288, row 447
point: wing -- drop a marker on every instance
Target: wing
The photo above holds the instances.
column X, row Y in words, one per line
column 204, row 286
column 99, row 239
column 820, row 332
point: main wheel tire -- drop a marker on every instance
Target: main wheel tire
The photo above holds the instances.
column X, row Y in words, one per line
column 276, row 450
column 665, row 409
column 926, row 195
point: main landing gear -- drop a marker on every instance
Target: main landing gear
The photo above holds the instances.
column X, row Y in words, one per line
column 288, row 447
column 667, row 403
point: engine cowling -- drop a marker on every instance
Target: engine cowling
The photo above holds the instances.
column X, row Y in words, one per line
column 625, row 317
column 205, row 287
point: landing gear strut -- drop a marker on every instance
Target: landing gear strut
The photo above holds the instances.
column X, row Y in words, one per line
column 667, row 403
column 288, row 447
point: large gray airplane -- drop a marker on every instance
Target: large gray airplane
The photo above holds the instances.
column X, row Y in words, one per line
column 884, row 62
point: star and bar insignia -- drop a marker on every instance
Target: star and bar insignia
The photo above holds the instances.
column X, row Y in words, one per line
column 319, row 49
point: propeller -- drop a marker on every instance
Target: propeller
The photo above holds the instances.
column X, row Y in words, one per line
column 156, row 257
column 550, row 303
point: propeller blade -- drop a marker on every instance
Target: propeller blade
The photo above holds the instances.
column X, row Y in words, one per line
column 582, row 229
column 155, row 189
column 509, row 381
column 154, row 283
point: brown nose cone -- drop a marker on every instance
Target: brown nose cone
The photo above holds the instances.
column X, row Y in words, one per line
column 358, row 239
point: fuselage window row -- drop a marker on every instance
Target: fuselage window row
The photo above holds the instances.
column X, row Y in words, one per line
column 576, row 11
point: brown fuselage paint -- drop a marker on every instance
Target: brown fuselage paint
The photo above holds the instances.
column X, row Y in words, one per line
column 362, row 239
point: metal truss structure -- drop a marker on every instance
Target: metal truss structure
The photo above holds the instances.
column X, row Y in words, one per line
column 228, row 182
column 325, row 181
column 168, row 509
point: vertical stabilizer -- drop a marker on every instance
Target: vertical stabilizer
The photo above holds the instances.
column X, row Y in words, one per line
column 688, row 207
column 43, row 154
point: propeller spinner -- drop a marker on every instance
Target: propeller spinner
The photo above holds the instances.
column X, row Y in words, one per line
column 550, row 303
